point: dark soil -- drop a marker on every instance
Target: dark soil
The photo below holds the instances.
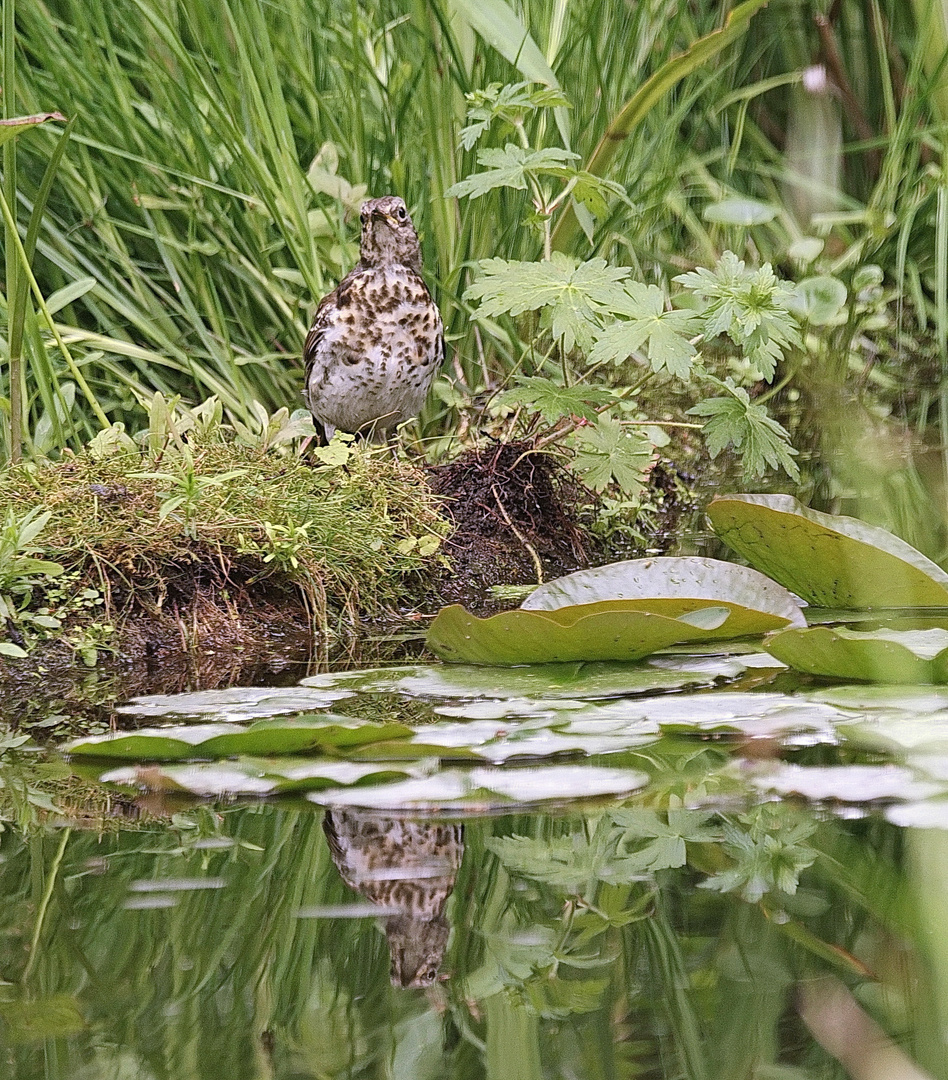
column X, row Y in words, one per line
column 514, row 510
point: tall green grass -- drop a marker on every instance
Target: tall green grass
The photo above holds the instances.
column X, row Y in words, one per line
column 193, row 244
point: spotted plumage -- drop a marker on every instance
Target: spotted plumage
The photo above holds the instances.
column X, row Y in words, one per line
column 408, row 868
column 377, row 339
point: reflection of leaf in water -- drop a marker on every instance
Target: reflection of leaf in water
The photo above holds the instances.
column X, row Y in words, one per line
column 564, row 997
column 767, row 847
column 566, row 862
column 666, row 841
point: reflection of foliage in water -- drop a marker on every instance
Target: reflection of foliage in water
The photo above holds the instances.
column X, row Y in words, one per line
column 653, row 938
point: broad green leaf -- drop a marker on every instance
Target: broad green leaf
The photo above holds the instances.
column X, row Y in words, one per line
column 533, row 637
column 9, row 129
column 564, row 681
column 740, row 212
column 283, row 736
column 885, row 656
column 674, row 586
column 483, row 788
column 552, row 401
column 7, row 648
column 607, row 452
column 829, row 561
column 574, row 294
column 509, row 168
column 662, row 335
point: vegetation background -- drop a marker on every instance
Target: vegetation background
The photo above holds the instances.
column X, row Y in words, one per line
column 569, row 166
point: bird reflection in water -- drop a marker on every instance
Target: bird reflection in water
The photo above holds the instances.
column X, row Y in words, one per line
column 408, row 868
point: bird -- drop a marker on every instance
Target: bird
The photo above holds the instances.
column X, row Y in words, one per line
column 408, row 869
column 377, row 339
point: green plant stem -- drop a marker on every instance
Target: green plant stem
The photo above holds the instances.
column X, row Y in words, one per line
column 10, row 260
column 24, row 263
column 44, row 902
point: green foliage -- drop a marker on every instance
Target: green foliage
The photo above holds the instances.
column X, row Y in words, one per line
column 768, row 852
column 21, row 572
column 737, row 421
column 510, row 104
column 609, row 453
column 661, row 333
column 751, row 306
column 552, row 402
column 510, row 168
column 574, row 296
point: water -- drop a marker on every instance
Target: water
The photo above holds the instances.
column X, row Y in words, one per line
column 712, row 924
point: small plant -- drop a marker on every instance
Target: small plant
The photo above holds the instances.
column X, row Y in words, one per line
column 602, row 336
column 20, row 573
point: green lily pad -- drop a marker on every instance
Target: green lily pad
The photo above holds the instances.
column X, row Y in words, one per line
column 485, row 789
column 673, row 587
column 846, row 783
column 578, row 680
column 250, row 776
column 829, row 561
column 886, row 656
column 281, row 736
column 581, row 632
column 236, row 704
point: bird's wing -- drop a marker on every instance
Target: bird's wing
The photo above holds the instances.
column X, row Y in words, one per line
column 324, row 317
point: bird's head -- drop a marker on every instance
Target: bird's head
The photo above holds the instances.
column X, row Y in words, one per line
column 388, row 235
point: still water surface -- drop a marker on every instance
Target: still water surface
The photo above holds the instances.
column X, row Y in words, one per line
column 769, row 900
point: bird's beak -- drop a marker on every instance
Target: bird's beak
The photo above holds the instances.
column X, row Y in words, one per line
column 392, row 221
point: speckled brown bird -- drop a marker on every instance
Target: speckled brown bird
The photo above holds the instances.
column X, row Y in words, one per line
column 408, row 868
column 377, row 339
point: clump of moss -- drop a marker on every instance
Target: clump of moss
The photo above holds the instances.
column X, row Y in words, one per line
column 179, row 520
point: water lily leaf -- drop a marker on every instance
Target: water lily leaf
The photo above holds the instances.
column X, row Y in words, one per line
column 675, row 586
column 827, row 560
column 249, row 777
column 484, row 789
column 238, row 703
column 281, row 736
column 580, row 632
column 147, row 744
column 887, row 656
column 846, row 783
column 578, row 680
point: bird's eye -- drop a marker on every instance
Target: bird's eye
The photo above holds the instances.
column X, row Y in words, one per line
column 401, row 213
column 363, row 218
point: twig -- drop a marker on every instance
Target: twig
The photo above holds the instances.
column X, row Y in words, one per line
column 519, row 535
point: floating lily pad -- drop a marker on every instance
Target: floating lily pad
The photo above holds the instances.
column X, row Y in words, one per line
column 887, row 656
column 249, row 777
column 578, row 680
column 932, row 814
column 674, row 587
column 514, row 707
column 239, row 703
column 583, row 632
column 286, row 736
column 484, row 789
column 868, row 699
column 847, row 783
column 827, row 560
column 900, row 731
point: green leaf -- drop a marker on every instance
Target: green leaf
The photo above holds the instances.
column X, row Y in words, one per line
column 574, row 295
column 510, row 168
column 819, row 300
column 507, row 103
column 674, row 586
column 9, row 129
column 738, row 422
column 609, row 452
column 661, row 334
column 7, row 648
column 572, row 633
column 828, row 560
column 886, row 656
column 552, row 401
column 751, row 306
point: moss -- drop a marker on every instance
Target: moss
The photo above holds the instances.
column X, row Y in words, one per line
column 216, row 519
